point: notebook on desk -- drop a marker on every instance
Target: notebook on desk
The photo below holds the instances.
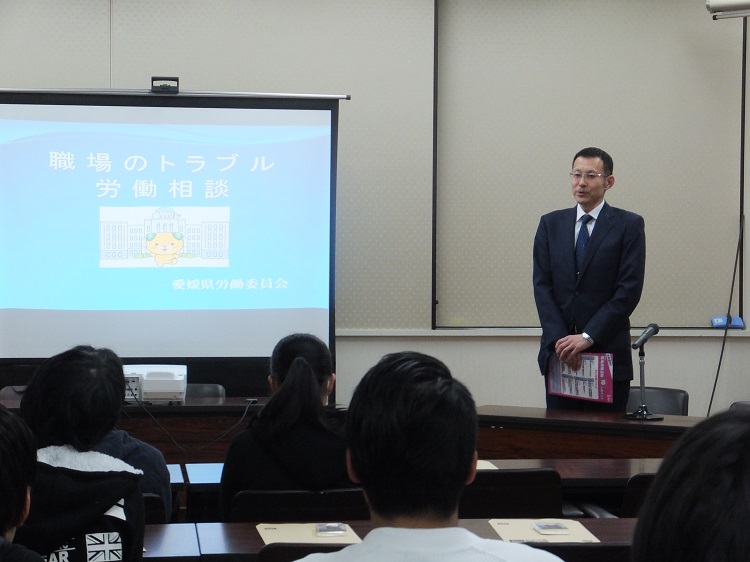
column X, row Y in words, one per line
column 303, row 533
column 525, row 530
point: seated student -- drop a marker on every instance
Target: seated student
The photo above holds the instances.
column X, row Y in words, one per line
column 698, row 506
column 295, row 442
column 64, row 376
column 86, row 505
column 411, row 433
column 17, row 471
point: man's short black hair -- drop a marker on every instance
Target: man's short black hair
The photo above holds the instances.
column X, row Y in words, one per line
column 17, row 468
column 594, row 152
column 698, row 506
column 75, row 398
column 412, row 432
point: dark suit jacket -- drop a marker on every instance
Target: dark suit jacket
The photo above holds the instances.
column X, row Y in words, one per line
column 607, row 291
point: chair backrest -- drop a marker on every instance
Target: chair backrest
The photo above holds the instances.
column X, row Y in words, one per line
column 205, row 390
column 12, row 392
column 635, row 492
column 611, row 552
column 17, row 373
column 739, row 405
column 154, row 510
column 288, row 552
column 664, row 401
column 288, row 506
column 508, row 493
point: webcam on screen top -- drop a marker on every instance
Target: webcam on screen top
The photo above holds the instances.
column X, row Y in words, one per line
column 165, row 85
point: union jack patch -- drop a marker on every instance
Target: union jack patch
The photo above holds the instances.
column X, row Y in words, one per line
column 103, row 547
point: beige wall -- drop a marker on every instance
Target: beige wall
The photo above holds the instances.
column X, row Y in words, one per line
column 382, row 54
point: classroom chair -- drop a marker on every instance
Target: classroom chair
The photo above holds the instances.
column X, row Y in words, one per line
column 299, row 506
column 739, row 405
column 288, row 552
column 633, row 497
column 534, row 493
column 154, row 510
column 659, row 400
column 205, row 390
column 12, row 392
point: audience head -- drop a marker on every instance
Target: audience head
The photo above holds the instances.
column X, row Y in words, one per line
column 17, row 471
column 75, row 397
column 698, row 507
column 306, row 346
column 301, row 379
column 411, row 433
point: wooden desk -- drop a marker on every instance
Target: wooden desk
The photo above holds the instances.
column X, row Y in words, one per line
column 506, row 432
column 171, row 543
column 176, row 479
column 203, row 481
column 206, row 426
column 230, row 542
column 177, row 483
column 587, row 473
column 514, row 432
column 595, row 481
column 574, row 473
column 204, row 476
column 202, row 427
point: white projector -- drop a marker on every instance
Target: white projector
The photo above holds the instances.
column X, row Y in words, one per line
column 152, row 383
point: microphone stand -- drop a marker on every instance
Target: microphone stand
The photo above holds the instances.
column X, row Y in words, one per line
column 642, row 412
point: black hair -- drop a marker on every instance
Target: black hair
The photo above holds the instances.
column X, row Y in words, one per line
column 301, row 364
column 594, row 152
column 698, row 506
column 75, row 398
column 17, row 468
column 411, row 430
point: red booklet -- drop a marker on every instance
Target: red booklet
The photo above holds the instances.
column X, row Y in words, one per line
column 592, row 381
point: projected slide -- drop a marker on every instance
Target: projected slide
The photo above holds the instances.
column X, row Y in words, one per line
column 158, row 209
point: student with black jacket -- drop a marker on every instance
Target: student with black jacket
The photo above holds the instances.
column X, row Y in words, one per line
column 85, row 505
column 295, row 442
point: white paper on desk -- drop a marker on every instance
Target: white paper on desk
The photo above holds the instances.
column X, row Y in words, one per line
column 485, row 465
column 521, row 530
column 302, row 533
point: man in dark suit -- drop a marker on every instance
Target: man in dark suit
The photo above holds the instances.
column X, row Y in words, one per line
column 585, row 304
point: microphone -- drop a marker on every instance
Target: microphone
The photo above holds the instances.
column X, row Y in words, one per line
column 651, row 330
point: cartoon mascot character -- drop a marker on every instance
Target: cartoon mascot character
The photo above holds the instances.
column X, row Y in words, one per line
column 164, row 247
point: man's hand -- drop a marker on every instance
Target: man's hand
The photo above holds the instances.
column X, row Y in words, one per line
column 569, row 349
